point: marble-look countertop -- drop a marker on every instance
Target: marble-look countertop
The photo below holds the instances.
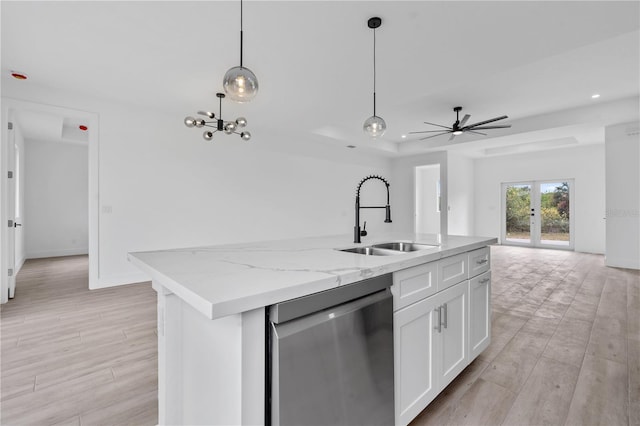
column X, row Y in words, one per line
column 228, row 279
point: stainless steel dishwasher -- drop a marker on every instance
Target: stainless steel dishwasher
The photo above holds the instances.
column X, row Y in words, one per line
column 330, row 357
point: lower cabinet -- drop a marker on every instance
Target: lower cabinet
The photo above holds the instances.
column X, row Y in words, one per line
column 438, row 330
column 431, row 348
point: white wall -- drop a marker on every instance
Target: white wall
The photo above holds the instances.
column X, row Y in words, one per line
column 585, row 164
column 427, row 214
column 461, row 194
column 623, row 195
column 56, row 199
column 162, row 186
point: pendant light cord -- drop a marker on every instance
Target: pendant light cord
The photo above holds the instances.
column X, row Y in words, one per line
column 241, row 34
column 374, row 72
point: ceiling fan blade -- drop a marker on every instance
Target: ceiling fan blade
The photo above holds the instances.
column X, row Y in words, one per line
column 476, row 133
column 464, row 120
column 429, row 131
column 486, row 121
column 439, row 125
column 433, row 136
column 492, row 127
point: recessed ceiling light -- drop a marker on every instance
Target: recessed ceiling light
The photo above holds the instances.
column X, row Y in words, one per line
column 83, row 127
column 18, row 75
column 403, row 136
column 351, row 146
column 595, row 96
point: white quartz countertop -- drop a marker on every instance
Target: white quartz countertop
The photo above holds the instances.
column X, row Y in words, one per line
column 228, row 279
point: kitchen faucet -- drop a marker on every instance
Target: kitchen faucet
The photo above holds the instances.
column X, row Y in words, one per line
column 357, row 233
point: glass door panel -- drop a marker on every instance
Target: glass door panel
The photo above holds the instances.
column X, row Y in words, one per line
column 555, row 214
column 518, row 213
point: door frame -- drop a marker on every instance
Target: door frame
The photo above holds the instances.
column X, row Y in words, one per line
column 535, row 224
column 9, row 105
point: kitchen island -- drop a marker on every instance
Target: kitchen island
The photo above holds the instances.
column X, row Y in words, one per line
column 211, row 313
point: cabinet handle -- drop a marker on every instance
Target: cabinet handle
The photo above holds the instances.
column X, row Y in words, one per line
column 486, row 280
column 439, row 327
column 446, row 315
column 481, row 262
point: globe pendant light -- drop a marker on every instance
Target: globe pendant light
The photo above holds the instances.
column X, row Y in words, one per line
column 374, row 126
column 240, row 83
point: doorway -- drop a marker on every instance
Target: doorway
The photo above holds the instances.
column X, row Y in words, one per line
column 428, row 199
column 27, row 124
column 538, row 213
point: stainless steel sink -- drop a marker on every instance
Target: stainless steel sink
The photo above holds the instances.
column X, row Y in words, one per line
column 371, row 251
column 404, row 246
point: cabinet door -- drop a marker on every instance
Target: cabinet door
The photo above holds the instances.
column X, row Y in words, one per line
column 416, row 374
column 413, row 284
column 454, row 349
column 480, row 314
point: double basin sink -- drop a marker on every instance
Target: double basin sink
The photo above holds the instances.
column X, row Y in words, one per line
column 389, row 249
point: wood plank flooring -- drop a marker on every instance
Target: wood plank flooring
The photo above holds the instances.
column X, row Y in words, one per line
column 565, row 348
column 77, row 357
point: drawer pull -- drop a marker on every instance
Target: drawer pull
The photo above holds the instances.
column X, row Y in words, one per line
column 481, row 262
column 486, row 280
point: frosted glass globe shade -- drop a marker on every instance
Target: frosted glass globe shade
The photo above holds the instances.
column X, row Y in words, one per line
column 374, row 126
column 240, row 84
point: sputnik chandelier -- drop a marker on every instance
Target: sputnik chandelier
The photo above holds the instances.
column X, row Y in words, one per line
column 218, row 124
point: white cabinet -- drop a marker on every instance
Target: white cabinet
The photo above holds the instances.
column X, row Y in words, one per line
column 442, row 321
column 479, row 313
column 452, row 270
column 453, row 350
column 479, row 261
column 430, row 338
column 415, row 376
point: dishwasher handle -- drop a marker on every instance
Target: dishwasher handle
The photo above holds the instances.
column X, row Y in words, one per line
column 296, row 308
column 284, row 330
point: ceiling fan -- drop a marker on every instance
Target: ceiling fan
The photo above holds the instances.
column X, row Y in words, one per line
column 459, row 126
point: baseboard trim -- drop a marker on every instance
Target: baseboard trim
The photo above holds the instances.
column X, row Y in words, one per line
column 114, row 280
column 58, row 253
column 622, row 263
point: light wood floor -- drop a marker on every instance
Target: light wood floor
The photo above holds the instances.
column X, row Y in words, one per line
column 71, row 356
column 565, row 348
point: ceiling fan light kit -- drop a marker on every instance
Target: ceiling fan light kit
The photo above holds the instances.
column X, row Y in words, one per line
column 460, row 126
column 218, row 124
column 240, row 83
column 374, row 126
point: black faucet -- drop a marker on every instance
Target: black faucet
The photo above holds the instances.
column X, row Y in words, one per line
column 357, row 233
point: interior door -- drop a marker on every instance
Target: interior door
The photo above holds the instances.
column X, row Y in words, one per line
column 538, row 213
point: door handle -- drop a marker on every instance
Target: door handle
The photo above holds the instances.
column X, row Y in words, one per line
column 446, row 315
column 439, row 327
column 16, row 224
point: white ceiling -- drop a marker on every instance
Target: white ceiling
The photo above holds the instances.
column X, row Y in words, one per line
column 313, row 60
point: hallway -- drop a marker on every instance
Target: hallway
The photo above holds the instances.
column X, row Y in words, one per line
column 73, row 356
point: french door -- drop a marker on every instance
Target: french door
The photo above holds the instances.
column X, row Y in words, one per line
column 538, row 213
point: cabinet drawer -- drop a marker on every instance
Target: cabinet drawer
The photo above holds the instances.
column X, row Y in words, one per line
column 413, row 284
column 452, row 270
column 479, row 261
